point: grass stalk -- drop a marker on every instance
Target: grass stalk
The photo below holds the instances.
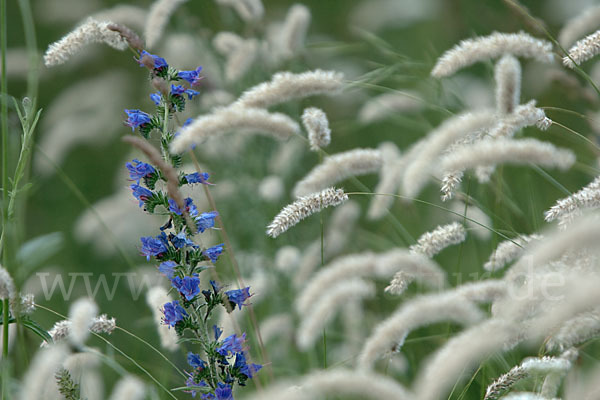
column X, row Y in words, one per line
column 4, row 130
column 33, row 69
column 236, row 269
column 81, row 197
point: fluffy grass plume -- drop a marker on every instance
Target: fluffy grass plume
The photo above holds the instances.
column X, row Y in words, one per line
column 304, row 207
column 241, row 119
column 91, row 31
column 583, row 50
column 286, row 86
column 470, row 51
column 158, row 17
column 316, row 124
column 339, row 167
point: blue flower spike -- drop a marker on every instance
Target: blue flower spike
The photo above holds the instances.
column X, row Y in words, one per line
column 175, row 254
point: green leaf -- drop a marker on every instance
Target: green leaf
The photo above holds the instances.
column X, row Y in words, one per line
column 35, row 252
column 36, row 328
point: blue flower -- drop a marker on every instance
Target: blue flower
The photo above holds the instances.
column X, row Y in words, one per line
column 189, row 286
column 218, row 331
column 156, row 98
column 195, row 361
column 206, row 220
column 238, row 296
column 158, row 62
column 173, row 313
column 167, row 268
column 140, row 193
column 177, row 90
column 213, row 252
column 136, row 118
column 190, row 207
column 192, row 384
column 232, row 344
column 197, row 177
column 180, row 240
column 139, row 170
column 244, row 368
column 223, row 392
column 193, row 77
column 191, row 93
column 215, row 285
column 154, row 246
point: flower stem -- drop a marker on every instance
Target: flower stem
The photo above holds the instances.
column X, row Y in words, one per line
column 211, row 361
column 4, row 129
column 165, row 148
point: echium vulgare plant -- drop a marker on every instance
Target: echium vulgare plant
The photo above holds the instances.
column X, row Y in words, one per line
column 181, row 259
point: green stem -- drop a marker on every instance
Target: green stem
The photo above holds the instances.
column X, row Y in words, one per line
column 4, row 364
column 33, row 69
column 165, row 148
column 5, row 324
column 153, row 348
column 324, row 349
column 502, row 235
column 23, row 161
column 4, row 129
column 120, row 370
column 211, row 361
